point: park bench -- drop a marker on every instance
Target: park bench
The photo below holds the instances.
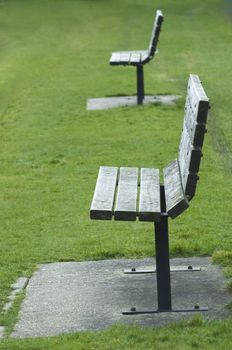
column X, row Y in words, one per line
column 139, row 58
column 127, row 193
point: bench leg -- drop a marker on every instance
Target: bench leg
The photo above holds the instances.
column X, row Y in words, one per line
column 162, row 270
column 162, row 259
column 140, row 85
column 163, row 265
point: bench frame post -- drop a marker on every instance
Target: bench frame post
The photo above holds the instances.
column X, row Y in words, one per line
column 162, row 259
column 140, row 84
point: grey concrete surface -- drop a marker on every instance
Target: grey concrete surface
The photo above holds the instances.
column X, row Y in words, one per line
column 17, row 287
column 79, row 296
column 2, row 330
column 20, row 284
column 126, row 101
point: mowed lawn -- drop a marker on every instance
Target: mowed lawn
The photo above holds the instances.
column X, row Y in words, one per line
column 54, row 56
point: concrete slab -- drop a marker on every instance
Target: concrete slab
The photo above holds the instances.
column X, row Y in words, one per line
column 79, row 296
column 2, row 330
column 16, row 287
column 126, row 101
column 20, row 284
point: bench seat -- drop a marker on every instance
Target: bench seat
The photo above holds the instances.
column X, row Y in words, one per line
column 129, row 58
column 127, row 193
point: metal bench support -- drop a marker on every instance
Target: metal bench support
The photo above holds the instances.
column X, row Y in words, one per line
column 162, row 259
column 164, row 297
column 140, row 84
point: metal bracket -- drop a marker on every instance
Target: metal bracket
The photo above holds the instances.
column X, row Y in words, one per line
column 134, row 311
column 137, row 271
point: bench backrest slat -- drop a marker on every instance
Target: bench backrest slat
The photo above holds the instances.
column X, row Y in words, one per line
column 126, row 202
column 176, row 201
column 196, row 135
column 155, row 33
column 192, row 137
column 189, row 161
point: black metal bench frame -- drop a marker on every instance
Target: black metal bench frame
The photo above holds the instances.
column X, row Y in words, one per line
column 116, row 195
column 139, row 58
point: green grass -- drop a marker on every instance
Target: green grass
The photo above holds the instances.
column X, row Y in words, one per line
column 54, row 56
column 193, row 334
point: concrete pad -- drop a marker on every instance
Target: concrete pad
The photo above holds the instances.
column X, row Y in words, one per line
column 17, row 287
column 20, row 284
column 126, row 101
column 80, row 296
column 2, row 330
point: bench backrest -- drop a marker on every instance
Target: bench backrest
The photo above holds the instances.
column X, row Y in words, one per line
column 181, row 176
column 194, row 128
column 155, row 33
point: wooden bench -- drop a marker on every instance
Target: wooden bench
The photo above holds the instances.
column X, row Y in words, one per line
column 131, row 193
column 139, row 58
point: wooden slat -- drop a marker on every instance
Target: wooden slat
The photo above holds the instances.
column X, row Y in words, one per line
column 190, row 185
column 196, row 109
column 115, row 58
column 155, row 33
column 120, row 58
column 189, row 182
column 176, row 201
column 125, row 57
column 135, row 58
column 189, row 161
column 103, row 199
column 126, row 201
column 128, row 57
column 195, row 130
column 145, row 56
column 197, row 98
column 149, row 201
column 189, row 156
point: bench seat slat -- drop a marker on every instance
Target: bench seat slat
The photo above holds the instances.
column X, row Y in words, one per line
column 125, row 57
column 135, row 58
column 126, row 201
column 120, row 58
column 149, row 202
column 103, row 199
column 115, row 58
column 176, row 201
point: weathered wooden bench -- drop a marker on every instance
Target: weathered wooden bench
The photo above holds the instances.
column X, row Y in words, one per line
column 139, row 58
column 128, row 193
